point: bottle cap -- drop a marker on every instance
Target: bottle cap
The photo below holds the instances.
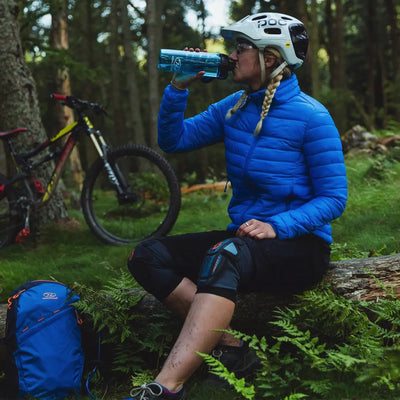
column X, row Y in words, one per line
column 227, row 65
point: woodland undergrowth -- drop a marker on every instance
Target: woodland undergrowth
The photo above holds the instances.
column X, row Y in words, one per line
column 322, row 347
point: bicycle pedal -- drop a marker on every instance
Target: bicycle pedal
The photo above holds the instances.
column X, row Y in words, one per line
column 22, row 235
column 38, row 186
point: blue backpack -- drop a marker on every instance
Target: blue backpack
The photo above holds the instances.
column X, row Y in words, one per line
column 43, row 339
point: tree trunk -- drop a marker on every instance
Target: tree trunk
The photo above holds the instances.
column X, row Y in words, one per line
column 340, row 65
column 313, row 50
column 84, row 15
column 136, row 128
column 337, row 65
column 330, row 42
column 154, row 28
column 115, row 72
column 19, row 105
column 394, row 77
column 391, row 11
column 372, row 57
column 59, row 35
column 381, row 73
column 341, row 60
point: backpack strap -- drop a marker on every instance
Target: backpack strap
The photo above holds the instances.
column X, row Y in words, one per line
column 93, row 372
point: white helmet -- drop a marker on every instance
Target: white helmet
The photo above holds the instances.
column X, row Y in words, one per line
column 283, row 32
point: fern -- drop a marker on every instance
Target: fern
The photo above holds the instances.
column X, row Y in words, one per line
column 130, row 334
column 217, row 368
column 295, row 396
column 323, row 346
column 139, row 378
column 110, row 308
column 326, row 346
column 322, row 387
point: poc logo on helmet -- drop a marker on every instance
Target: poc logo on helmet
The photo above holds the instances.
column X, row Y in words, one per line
column 49, row 296
column 271, row 22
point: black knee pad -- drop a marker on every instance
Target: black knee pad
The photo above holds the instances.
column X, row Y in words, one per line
column 226, row 264
column 150, row 264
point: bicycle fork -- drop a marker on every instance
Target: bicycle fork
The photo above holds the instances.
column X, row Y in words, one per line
column 115, row 176
column 101, row 147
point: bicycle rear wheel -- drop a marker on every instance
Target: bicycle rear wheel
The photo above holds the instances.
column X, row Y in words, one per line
column 10, row 223
column 152, row 196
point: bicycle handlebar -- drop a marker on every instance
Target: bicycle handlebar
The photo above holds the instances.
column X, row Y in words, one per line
column 78, row 104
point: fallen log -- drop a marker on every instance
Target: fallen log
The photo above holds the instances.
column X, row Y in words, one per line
column 358, row 279
column 364, row 278
column 214, row 186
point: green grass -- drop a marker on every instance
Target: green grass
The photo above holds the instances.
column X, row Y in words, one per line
column 68, row 252
column 370, row 224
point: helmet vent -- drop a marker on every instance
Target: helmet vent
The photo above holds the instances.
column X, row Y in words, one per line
column 272, row 31
column 258, row 17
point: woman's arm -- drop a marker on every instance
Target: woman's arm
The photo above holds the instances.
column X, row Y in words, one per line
column 176, row 134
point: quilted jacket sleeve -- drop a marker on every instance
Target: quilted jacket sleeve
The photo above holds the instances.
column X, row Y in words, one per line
column 176, row 134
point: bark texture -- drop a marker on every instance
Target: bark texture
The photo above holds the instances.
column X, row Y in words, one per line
column 135, row 119
column 19, row 105
column 154, row 27
column 65, row 114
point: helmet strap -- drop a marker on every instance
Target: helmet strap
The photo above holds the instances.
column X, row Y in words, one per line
column 275, row 72
column 262, row 65
column 278, row 70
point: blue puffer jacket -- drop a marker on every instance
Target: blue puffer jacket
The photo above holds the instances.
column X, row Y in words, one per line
column 291, row 174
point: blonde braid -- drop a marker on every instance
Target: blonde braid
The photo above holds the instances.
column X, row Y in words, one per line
column 269, row 95
column 237, row 105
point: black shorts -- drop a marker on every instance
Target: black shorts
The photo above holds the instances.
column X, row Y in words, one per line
column 274, row 265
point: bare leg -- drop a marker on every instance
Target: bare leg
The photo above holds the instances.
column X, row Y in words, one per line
column 207, row 313
column 180, row 300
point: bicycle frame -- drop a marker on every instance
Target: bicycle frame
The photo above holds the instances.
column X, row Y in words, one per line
column 24, row 168
column 25, row 193
column 130, row 192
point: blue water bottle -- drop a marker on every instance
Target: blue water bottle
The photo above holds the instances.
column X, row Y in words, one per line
column 189, row 63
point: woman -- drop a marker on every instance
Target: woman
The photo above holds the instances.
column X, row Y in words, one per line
column 285, row 163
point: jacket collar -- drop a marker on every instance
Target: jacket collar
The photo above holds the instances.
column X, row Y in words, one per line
column 285, row 91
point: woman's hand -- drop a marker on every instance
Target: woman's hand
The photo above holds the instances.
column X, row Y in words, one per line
column 256, row 229
column 182, row 82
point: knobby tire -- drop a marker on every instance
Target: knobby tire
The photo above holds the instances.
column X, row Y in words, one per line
column 153, row 187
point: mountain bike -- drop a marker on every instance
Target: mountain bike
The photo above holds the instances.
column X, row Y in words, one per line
column 129, row 193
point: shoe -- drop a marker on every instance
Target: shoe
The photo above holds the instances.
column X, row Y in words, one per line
column 242, row 361
column 154, row 390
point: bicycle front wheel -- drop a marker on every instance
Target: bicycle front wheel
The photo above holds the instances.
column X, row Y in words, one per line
column 10, row 223
column 150, row 202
